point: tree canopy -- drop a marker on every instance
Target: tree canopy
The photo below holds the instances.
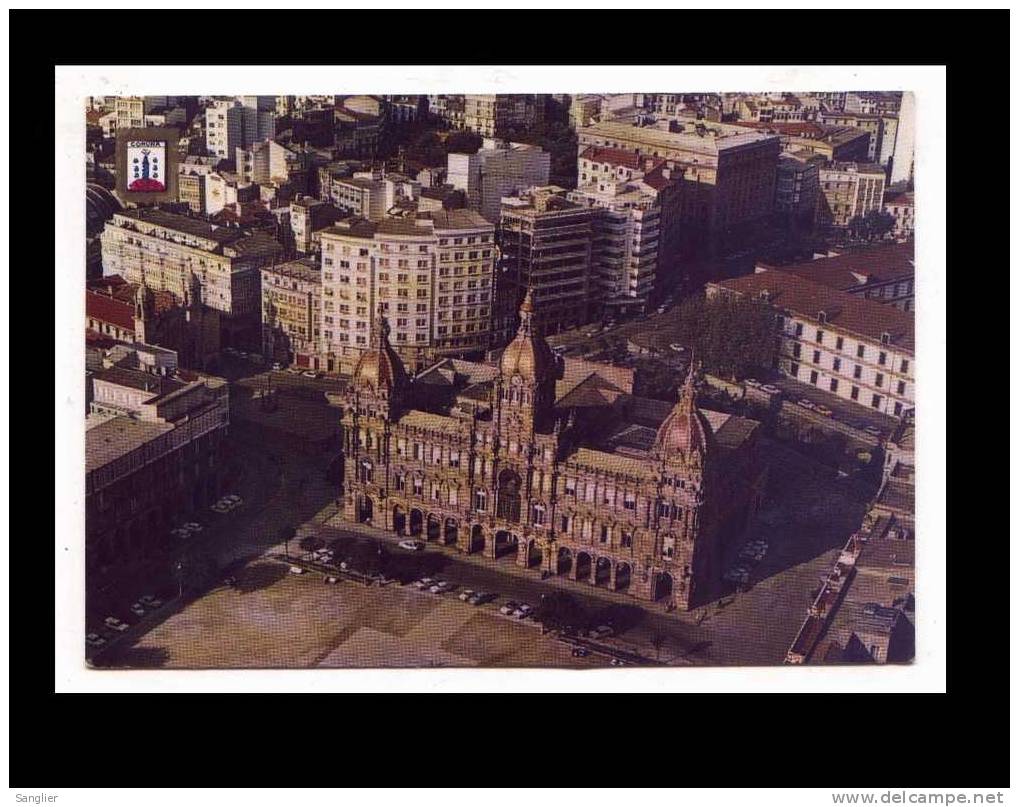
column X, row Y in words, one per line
column 733, row 338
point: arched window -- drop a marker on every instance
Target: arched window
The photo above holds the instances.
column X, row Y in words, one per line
column 508, row 505
column 538, row 514
column 366, row 472
column 481, row 500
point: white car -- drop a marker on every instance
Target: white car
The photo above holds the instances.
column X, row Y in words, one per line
column 294, row 370
column 872, row 430
column 600, row 632
column 150, row 602
column 466, row 594
column 425, row 582
column 823, row 410
column 277, row 366
column 677, row 347
column 115, row 624
column 523, row 610
column 440, row 588
column 138, row 609
column 332, row 581
column 234, row 499
column 221, row 507
column 95, row 640
column 509, row 608
column 296, row 570
column 771, row 389
column 180, row 533
column 310, row 374
column 412, row 546
column 193, row 526
column 806, row 403
column 752, row 382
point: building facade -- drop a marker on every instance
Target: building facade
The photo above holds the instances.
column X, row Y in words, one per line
column 232, row 125
column 849, row 190
column 498, row 169
column 728, row 175
column 513, row 479
column 900, row 206
column 855, row 348
column 292, row 312
column 152, row 457
column 635, row 225
column 545, row 242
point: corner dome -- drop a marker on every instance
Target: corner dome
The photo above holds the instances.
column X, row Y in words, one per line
column 528, row 355
column 380, row 367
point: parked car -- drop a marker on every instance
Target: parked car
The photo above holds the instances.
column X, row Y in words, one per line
column 412, row 546
column 509, row 608
column 330, row 581
column 771, row 389
column 466, row 594
column 617, row 662
column 221, row 507
column 138, row 609
column 823, row 410
column 310, row 374
column 277, row 366
column 872, row 430
column 523, row 611
column 234, row 499
column 294, row 370
column 677, row 347
column 425, row 582
column 440, row 588
column 94, row 640
column 601, row 632
column 296, row 570
column 580, row 652
column 752, row 382
column 115, row 624
column 193, row 526
column 806, row 403
column 150, row 602
column 661, row 309
column 477, row 598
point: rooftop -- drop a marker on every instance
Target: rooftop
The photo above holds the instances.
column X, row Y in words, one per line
column 306, row 269
column 806, row 298
column 855, row 168
column 184, row 224
column 858, row 267
column 115, row 437
column 137, row 379
column 703, row 136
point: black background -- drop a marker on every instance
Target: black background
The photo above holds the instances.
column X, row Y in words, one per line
column 849, row 739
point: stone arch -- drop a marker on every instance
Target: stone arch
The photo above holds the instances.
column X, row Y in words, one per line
column 534, row 555
column 433, row 527
column 623, row 574
column 602, row 571
column 584, row 566
column 399, row 520
column 450, row 531
column 505, row 544
column 477, row 543
column 365, row 509
column 564, row 560
column 417, row 520
column 663, row 586
column 509, row 496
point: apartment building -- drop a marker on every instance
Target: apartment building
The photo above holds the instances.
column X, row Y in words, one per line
column 855, row 348
column 634, row 226
column 797, row 187
column 489, row 115
column 545, row 242
column 498, row 169
column 230, row 125
column 883, row 273
column 834, row 143
column 849, row 190
column 292, row 312
column 308, row 216
column 165, row 251
column 129, row 112
column 432, row 277
column 900, row 206
column 873, row 125
column 728, row 175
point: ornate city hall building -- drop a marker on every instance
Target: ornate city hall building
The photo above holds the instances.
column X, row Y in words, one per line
column 581, row 479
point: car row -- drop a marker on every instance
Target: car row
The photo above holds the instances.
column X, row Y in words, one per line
column 749, row 556
column 185, row 531
column 518, row 610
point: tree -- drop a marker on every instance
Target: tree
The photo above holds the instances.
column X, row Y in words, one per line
column 463, row 143
column 732, row 337
column 657, row 641
column 875, row 224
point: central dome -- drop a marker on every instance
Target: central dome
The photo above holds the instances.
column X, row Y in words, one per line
column 528, row 355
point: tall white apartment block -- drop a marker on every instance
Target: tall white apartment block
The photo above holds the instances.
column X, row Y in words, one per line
column 230, row 125
column 498, row 169
column 417, row 274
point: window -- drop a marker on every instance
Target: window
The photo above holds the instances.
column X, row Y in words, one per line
column 436, row 492
column 418, row 451
column 630, row 501
column 838, row 343
column 905, row 366
column 875, row 401
column 538, row 515
column 813, row 376
column 886, row 338
column 836, row 365
column 419, row 486
column 796, row 350
column 898, row 408
column 854, row 393
column 480, row 500
column 879, row 379
column 571, row 487
column 859, row 351
column 857, row 371
column 820, row 336
column 882, row 357
column 799, row 329
column 834, row 385
column 608, row 495
column 817, row 357
column 365, row 474
column 794, row 369
column 626, row 539
column 900, row 388
column 454, row 459
column 605, row 534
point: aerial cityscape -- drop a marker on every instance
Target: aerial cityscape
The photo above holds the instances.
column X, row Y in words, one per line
column 528, row 380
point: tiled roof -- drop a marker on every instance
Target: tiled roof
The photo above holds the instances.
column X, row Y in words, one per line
column 104, row 308
column 598, row 154
column 876, row 263
column 806, row 298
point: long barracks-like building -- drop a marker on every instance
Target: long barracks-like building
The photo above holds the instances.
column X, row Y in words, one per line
column 596, row 484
